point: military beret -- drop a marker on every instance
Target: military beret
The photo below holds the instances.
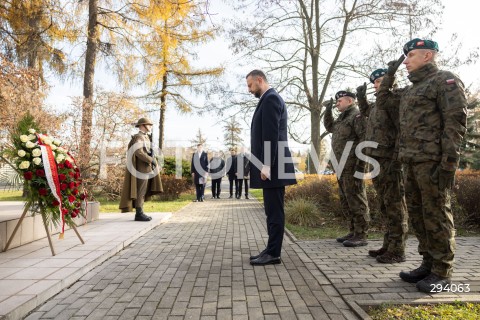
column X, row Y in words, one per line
column 419, row 44
column 340, row 94
column 377, row 74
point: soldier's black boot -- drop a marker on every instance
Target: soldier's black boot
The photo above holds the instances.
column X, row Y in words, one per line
column 415, row 275
column 375, row 253
column 434, row 284
column 345, row 237
column 356, row 241
column 390, row 257
column 140, row 216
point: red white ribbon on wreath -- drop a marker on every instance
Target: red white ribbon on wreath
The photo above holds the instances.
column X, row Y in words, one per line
column 51, row 173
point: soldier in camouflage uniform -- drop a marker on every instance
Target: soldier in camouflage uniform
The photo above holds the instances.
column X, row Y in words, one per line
column 388, row 183
column 432, row 114
column 349, row 126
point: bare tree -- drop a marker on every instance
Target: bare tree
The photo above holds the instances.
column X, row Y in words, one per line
column 311, row 47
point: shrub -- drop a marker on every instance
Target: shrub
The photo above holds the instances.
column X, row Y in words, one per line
column 465, row 203
column 173, row 187
column 169, row 167
column 302, row 212
column 322, row 191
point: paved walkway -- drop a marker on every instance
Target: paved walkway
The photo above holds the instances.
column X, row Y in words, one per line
column 196, row 266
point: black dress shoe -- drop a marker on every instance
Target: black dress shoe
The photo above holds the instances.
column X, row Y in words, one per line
column 258, row 255
column 265, row 259
column 246, row 197
column 230, row 197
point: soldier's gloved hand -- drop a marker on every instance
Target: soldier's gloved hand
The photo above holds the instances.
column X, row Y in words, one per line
column 393, row 65
column 329, row 105
column 444, row 178
column 362, row 91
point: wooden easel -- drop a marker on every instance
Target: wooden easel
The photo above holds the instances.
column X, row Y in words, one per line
column 27, row 206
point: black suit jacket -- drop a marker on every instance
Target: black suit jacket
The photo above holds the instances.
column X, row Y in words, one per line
column 269, row 123
column 199, row 171
column 232, row 166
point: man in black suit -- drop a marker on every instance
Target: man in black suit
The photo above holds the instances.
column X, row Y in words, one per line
column 243, row 170
column 216, row 168
column 232, row 172
column 199, row 169
column 271, row 165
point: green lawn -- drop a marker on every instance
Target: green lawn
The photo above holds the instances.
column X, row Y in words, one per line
column 454, row 311
column 150, row 206
column 257, row 193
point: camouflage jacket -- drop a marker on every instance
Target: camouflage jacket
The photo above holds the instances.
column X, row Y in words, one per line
column 380, row 129
column 349, row 126
column 431, row 113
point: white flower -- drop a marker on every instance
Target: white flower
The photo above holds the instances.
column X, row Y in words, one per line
column 29, row 144
column 54, row 147
column 21, row 153
column 36, row 152
column 24, row 165
column 37, row 161
column 32, row 137
column 31, row 130
column 24, row 138
column 60, row 158
column 61, row 150
column 69, row 159
column 57, row 142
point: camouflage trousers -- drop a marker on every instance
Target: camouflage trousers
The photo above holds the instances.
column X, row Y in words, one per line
column 431, row 218
column 353, row 199
column 391, row 196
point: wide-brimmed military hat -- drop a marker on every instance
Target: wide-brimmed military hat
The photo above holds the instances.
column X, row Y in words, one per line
column 418, row 43
column 377, row 74
column 342, row 93
column 142, row 121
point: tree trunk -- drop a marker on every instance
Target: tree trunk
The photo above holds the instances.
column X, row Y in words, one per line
column 163, row 110
column 315, row 134
column 88, row 81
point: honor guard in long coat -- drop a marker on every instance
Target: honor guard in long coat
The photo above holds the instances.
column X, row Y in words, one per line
column 142, row 175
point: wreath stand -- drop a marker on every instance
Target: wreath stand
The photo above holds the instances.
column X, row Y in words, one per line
column 45, row 224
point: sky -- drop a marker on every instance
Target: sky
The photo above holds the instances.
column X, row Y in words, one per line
column 458, row 18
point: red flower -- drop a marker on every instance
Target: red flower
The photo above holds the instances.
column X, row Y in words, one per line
column 62, row 177
column 63, row 186
column 42, row 191
column 77, row 170
column 83, row 196
column 71, row 185
column 28, row 175
column 60, row 166
column 74, row 214
column 77, row 204
column 77, row 175
column 71, row 198
column 68, row 164
column 71, row 174
column 64, row 211
column 55, row 203
column 40, row 173
column 75, row 192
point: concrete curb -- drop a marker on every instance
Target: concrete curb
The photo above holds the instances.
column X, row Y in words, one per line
column 18, row 306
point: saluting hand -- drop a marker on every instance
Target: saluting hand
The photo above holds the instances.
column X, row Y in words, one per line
column 393, row 65
column 362, row 91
